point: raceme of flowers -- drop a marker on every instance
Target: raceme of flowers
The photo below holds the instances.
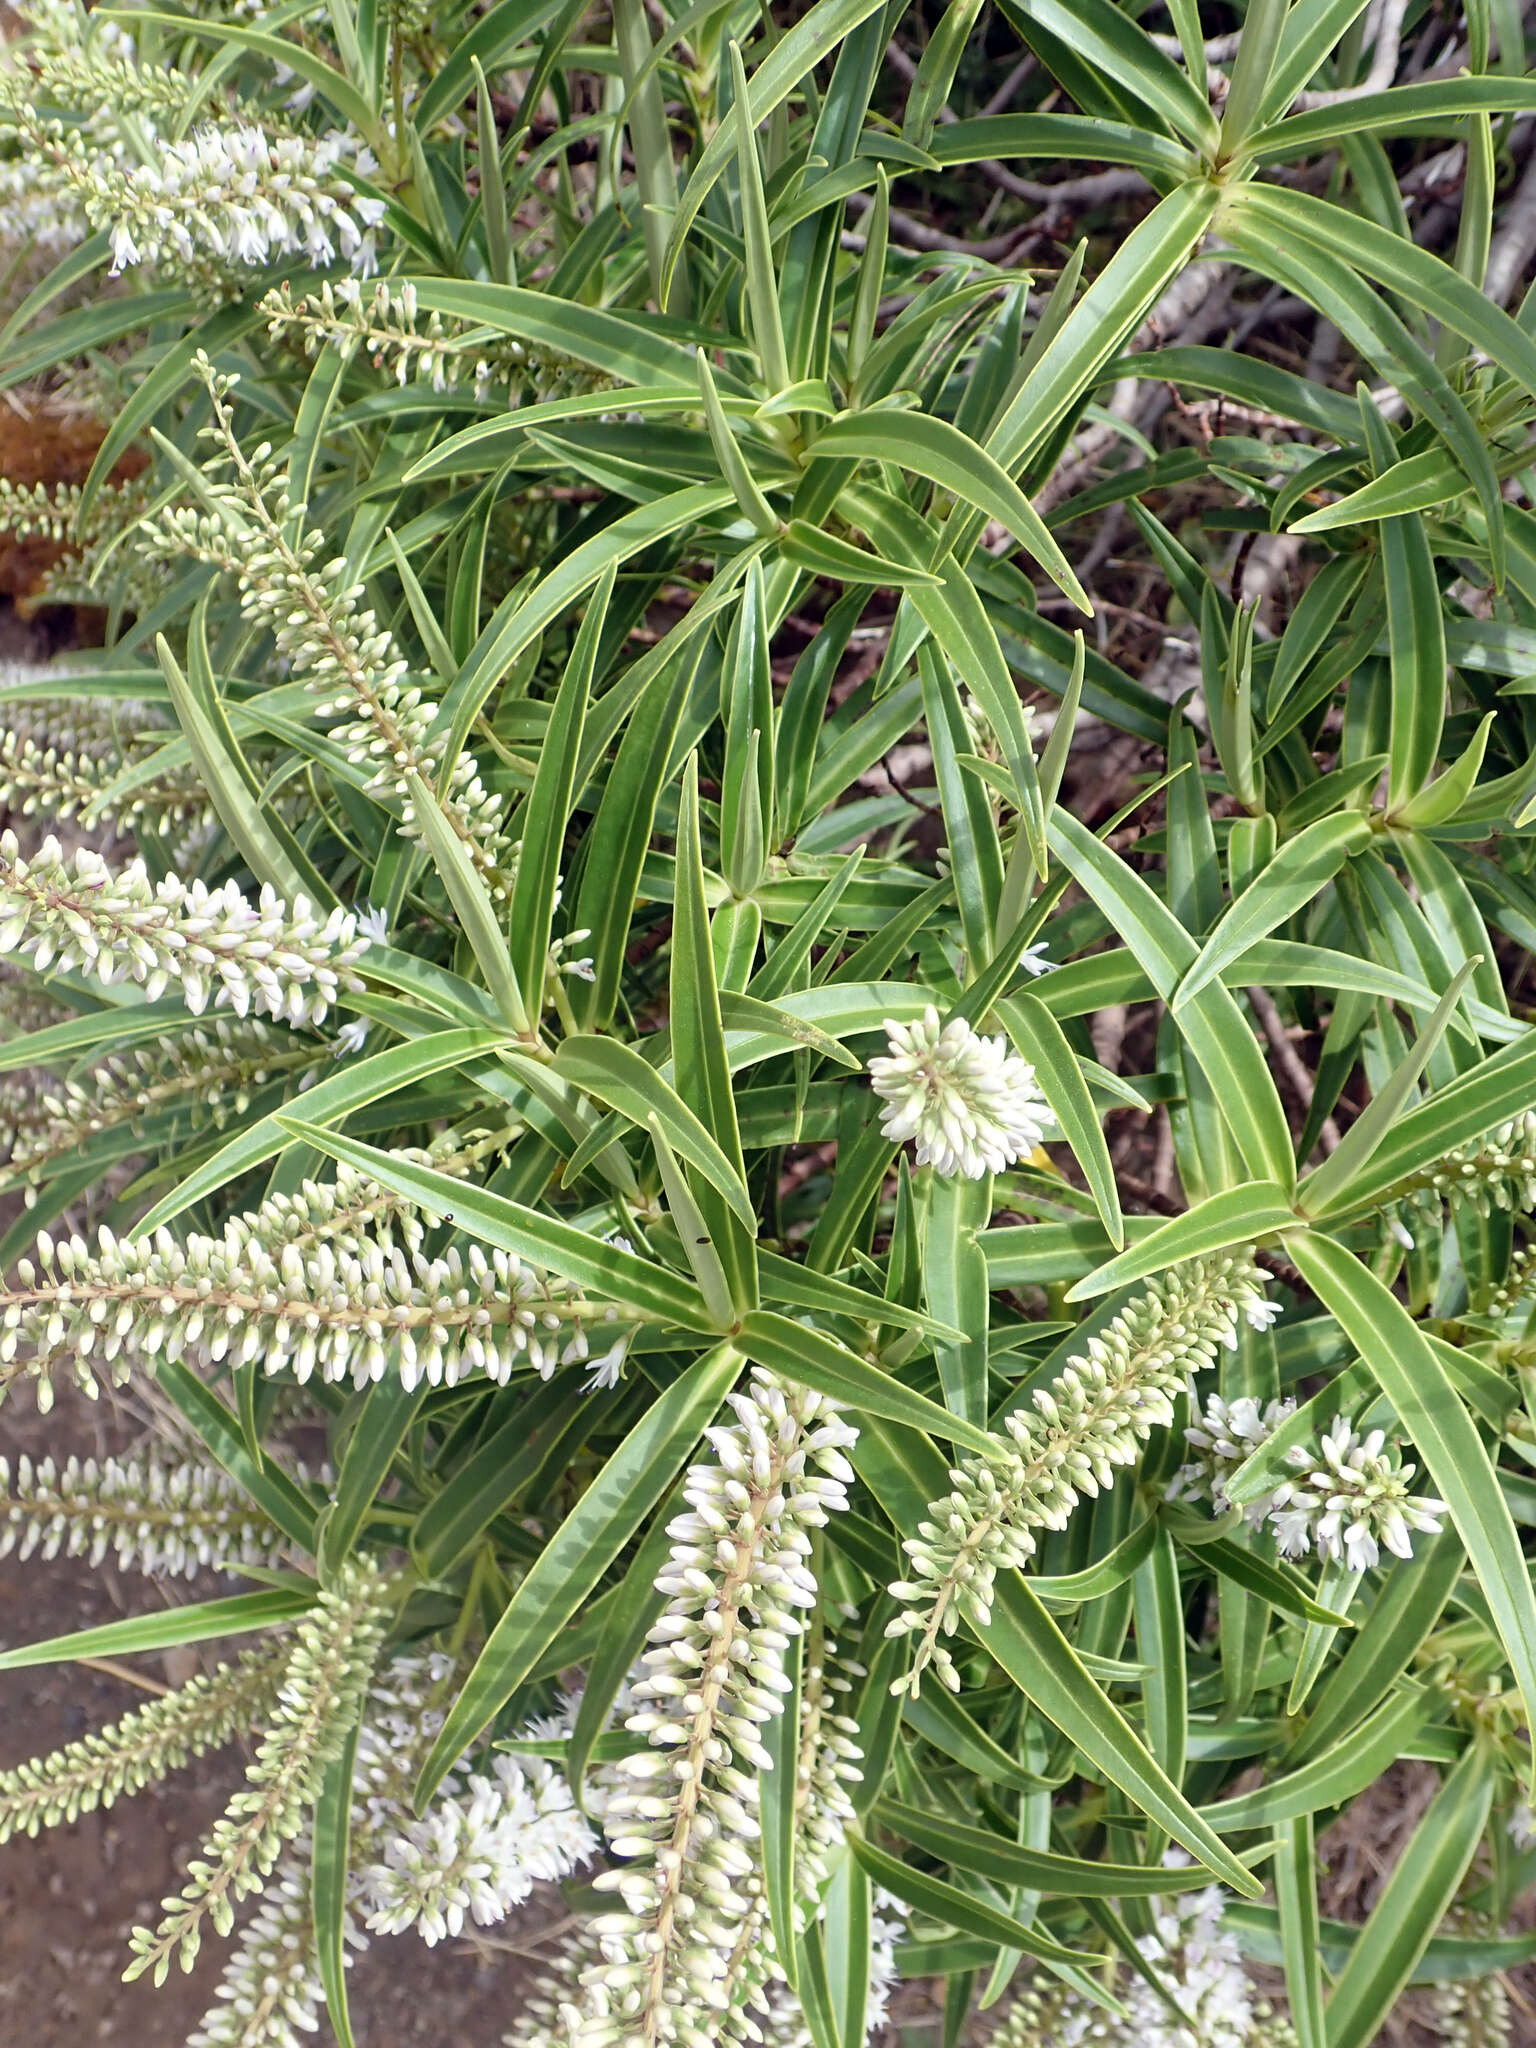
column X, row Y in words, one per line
column 321, row 630
column 53, row 511
column 210, row 1072
column 318, row 1308
column 270, row 1994
column 47, row 781
column 157, row 1513
column 353, row 1211
column 684, row 1818
column 143, row 1747
column 63, row 757
column 1474, row 2014
column 327, row 1674
column 1227, row 1433
column 758, row 2003
column 972, row 1105
column 1200, row 1966
column 228, row 197
column 1348, row 1496
column 82, row 63
column 1200, row 1963
column 387, row 325
column 103, row 729
column 71, row 912
column 1496, row 1171
column 1087, row 1424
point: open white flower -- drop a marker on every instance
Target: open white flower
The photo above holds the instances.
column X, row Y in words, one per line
column 1350, row 1497
column 478, row 1852
column 1034, row 959
column 973, row 1106
column 1222, row 1439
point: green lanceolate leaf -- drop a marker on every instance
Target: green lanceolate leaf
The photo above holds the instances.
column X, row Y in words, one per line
column 547, row 812
column 700, row 1060
column 940, row 452
column 1293, row 879
column 329, row 1867
column 1039, row 1039
column 819, row 1361
column 1236, row 1216
column 947, row 1903
column 382, row 1074
column 1423, row 1883
column 618, row 1077
column 1211, row 1021
column 1330, row 1184
column 201, row 1622
column 1296, row 1894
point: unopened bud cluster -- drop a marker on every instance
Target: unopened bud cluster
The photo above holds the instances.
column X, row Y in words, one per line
column 142, row 1748
column 164, row 1515
column 319, row 1700
column 1496, row 1171
column 321, row 628
column 312, row 1309
column 271, row 1994
column 354, row 1211
column 51, row 782
column 72, row 912
column 208, row 1073
column 53, row 511
column 82, row 63
column 65, row 757
column 1516, row 1286
column 386, row 324
column 1087, row 1425
column 1474, row 2014
column 684, row 1821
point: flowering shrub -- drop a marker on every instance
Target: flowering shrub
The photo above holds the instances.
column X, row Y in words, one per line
column 835, row 1260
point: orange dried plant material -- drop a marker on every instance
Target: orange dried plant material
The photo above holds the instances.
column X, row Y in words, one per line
column 43, row 442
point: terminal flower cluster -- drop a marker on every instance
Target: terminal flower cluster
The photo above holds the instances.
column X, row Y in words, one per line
column 684, row 1821
column 973, row 1106
column 1344, row 1497
column 322, row 630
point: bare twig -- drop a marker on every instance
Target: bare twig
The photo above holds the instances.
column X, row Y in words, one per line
column 1296, row 1076
column 1387, row 17
column 1513, row 247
